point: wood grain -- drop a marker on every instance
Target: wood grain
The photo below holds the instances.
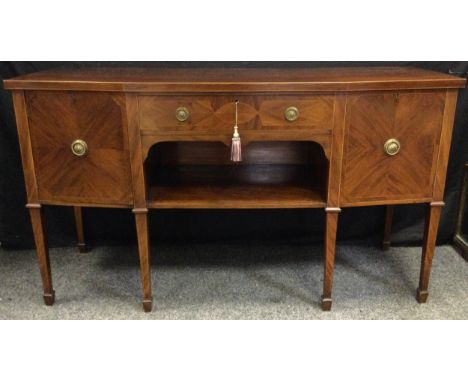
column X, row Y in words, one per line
column 414, row 119
column 323, row 139
column 24, row 138
column 331, row 225
column 77, row 212
column 429, row 242
column 216, row 153
column 387, row 227
column 141, row 221
column 240, row 186
column 136, row 154
column 336, row 156
column 163, row 80
column 217, row 113
column 42, row 250
column 139, row 202
column 445, row 141
column 56, row 119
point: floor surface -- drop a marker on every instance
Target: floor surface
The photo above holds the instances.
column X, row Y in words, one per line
column 234, row 281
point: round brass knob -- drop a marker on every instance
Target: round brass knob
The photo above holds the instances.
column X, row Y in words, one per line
column 182, row 114
column 392, row 147
column 79, row 147
column 291, row 113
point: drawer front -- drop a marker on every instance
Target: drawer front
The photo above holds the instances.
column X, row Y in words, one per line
column 391, row 146
column 97, row 172
column 216, row 114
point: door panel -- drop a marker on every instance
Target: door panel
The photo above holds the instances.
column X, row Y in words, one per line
column 371, row 175
column 56, row 119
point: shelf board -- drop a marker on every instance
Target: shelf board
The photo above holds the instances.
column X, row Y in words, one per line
column 237, row 187
column 243, row 196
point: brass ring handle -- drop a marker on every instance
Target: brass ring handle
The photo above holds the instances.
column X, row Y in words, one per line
column 182, row 114
column 291, row 113
column 79, row 147
column 392, row 147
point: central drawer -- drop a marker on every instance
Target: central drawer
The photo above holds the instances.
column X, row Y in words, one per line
column 216, row 113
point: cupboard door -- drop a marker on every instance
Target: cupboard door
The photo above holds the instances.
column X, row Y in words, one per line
column 80, row 148
column 391, row 146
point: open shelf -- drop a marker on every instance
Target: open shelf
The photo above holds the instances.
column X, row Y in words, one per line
column 200, row 175
column 245, row 186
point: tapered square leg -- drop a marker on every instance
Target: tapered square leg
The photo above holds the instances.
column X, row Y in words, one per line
column 141, row 220
column 37, row 220
column 430, row 235
column 331, row 223
column 387, row 228
column 80, row 229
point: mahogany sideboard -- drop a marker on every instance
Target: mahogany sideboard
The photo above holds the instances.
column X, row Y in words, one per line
column 160, row 138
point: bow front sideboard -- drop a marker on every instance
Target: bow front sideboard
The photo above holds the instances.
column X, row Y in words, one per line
column 160, row 138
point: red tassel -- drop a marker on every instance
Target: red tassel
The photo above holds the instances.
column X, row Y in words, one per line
column 236, row 150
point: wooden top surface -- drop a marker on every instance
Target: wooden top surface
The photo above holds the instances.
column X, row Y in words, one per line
column 234, row 79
